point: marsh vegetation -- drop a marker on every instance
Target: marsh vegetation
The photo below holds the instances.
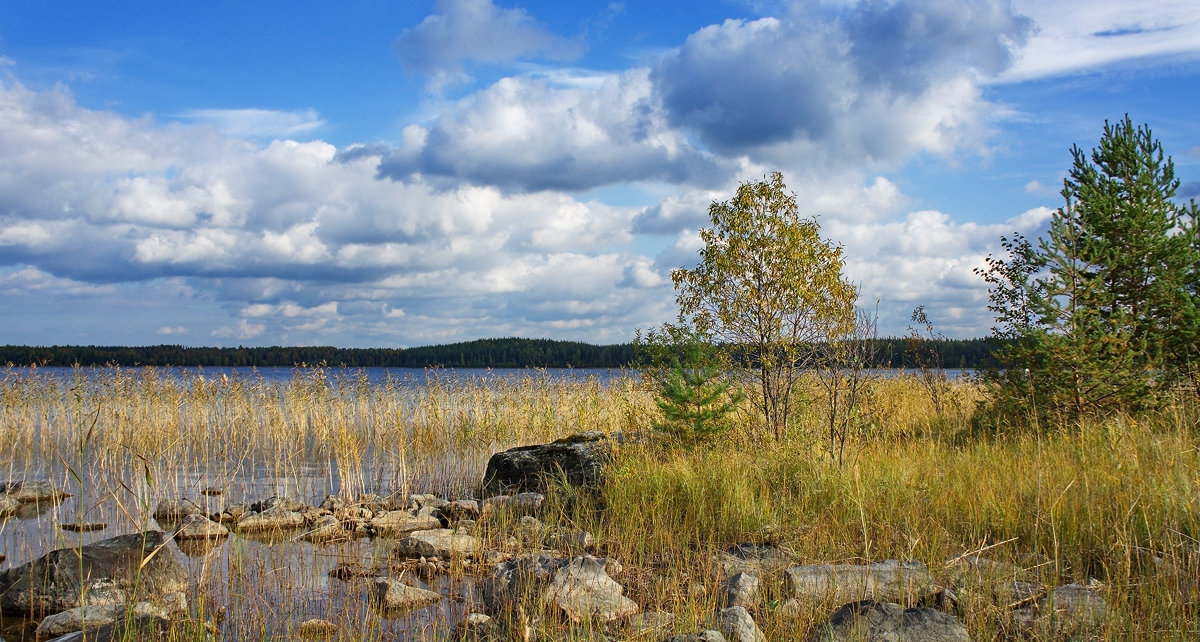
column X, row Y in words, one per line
column 1114, row 500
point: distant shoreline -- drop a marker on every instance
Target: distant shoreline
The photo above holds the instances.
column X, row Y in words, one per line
column 480, row 353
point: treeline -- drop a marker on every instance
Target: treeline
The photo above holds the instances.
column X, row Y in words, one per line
column 483, row 353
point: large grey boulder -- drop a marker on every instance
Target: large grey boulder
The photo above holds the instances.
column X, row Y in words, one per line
column 871, row 621
column 580, row 586
column 578, row 459
column 584, row 591
column 891, row 581
column 118, row 570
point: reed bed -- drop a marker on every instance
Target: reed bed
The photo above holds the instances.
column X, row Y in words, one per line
column 1072, row 503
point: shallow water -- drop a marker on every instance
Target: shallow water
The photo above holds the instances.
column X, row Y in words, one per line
column 95, row 434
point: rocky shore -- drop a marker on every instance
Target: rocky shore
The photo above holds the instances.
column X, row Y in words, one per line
column 558, row 581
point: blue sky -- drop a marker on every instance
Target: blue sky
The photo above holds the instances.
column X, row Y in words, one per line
column 406, row 173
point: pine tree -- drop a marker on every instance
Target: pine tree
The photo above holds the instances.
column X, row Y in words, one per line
column 1102, row 314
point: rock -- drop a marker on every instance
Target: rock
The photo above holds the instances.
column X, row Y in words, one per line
column 700, row 636
column 739, row 590
column 580, row 586
column 400, row 522
column 1067, row 609
column 584, row 591
column 176, row 509
column 198, row 527
column 335, row 504
column 455, row 511
column 477, row 627
column 146, row 627
column 578, row 459
column 736, row 624
column 753, row 558
column 888, row 622
column 30, row 491
column 519, row 505
column 235, row 513
column 891, row 580
column 275, row 518
column 425, row 500
column 8, row 506
column 571, row 540
column 440, row 542
column 92, row 616
column 316, row 629
column 325, row 529
column 286, row 503
column 394, row 594
column 110, row 571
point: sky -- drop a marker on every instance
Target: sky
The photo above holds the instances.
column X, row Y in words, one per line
column 393, row 174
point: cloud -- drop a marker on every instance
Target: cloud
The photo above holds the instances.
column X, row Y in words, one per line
column 531, row 134
column 1075, row 37
column 170, row 331
column 258, row 123
column 475, row 31
column 875, row 82
column 296, row 240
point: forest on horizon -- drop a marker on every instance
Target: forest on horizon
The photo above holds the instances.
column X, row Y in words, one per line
column 481, row 353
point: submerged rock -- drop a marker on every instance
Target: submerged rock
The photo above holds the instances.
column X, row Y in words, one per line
column 29, row 491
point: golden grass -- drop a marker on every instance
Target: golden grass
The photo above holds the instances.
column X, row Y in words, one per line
column 1092, row 501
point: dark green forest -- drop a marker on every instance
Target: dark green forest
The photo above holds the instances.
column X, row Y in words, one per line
column 482, row 353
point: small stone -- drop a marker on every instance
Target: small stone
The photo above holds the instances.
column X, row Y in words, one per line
column 394, row 594
column 200, row 527
column 274, row 518
column 441, row 542
column 175, row 509
column 740, row 590
column 736, row 624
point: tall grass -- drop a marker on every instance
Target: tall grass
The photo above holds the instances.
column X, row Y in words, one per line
column 1116, row 500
